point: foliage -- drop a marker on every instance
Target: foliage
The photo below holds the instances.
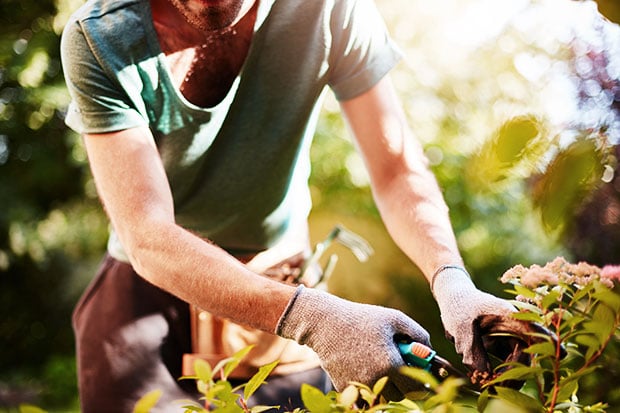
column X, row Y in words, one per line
column 577, row 303
column 218, row 393
column 52, row 230
column 580, row 305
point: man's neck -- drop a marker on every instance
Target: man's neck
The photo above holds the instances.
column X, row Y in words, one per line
column 204, row 65
column 168, row 21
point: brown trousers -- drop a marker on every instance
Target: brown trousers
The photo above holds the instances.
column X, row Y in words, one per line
column 130, row 339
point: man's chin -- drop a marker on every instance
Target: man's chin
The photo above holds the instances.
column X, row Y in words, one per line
column 209, row 15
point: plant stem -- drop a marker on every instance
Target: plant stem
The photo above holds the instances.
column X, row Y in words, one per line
column 244, row 405
column 556, row 323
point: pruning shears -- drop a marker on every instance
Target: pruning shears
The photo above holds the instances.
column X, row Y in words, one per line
column 420, row 355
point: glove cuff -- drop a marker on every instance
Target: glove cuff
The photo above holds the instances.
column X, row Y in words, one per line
column 450, row 283
column 442, row 270
column 287, row 310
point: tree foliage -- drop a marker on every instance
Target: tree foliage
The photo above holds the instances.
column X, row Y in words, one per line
column 49, row 225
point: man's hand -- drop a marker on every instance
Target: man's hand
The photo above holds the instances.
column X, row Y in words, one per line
column 481, row 324
column 355, row 342
column 462, row 306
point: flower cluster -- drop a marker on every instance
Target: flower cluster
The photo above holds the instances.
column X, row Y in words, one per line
column 559, row 271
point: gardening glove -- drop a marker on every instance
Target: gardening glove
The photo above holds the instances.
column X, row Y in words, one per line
column 355, row 342
column 481, row 324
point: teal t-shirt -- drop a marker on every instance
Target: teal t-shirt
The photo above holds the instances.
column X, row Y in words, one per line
column 239, row 170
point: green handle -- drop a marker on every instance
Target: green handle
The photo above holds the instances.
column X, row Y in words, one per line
column 415, row 360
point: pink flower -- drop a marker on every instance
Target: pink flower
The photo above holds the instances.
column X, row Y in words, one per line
column 513, row 273
column 611, row 272
column 538, row 275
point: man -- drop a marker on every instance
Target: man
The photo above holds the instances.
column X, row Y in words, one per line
column 197, row 117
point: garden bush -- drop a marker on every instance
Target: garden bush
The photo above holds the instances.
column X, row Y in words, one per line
column 578, row 303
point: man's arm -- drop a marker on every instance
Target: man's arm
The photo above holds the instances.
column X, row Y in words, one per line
column 413, row 209
column 406, row 192
column 132, row 184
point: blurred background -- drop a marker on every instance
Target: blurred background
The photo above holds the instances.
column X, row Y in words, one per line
column 517, row 103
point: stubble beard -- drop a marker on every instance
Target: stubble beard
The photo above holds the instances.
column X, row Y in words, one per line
column 209, row 19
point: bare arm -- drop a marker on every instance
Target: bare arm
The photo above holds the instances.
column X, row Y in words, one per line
column 132, row 184
column 416, row 216
column 407, row 195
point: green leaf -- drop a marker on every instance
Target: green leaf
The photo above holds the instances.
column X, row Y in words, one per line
column 519, row 399
column 517, row 373
column 260, row 409
column 314, row 400
column 192, row 408
column 515, row 137
column 447, row 392
column 607, row 296
column 590, row 341
column 581, row 293
column 27, row 408
column 348, row 396
column 360, row 385
column 404, row 406
column 368, row 396
column 528, row 316
column 483, row 400
column 421, row 376
column 379, row 385
column 572, row 320
column 221, row 364
column 572, row 174
column 524, row 291
column 258, row 379
column 517, row 140
column 203, row 370
column 236, row 359
column 228, row 408
column 542, row 349
column 566, row 389
column 202, row 386
column 565, row 315
column 553, row 297
column 144, row 405
column 526, row 306
column 568, row 385
column 221, row 391
column 598, row 408
column 603, row 323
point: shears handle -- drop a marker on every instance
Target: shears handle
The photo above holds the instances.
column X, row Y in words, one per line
column 419, row 355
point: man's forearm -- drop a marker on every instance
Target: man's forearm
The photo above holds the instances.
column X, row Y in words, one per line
column 417, row 218
column 406, row 191
column 133, row 186
column 205, row 275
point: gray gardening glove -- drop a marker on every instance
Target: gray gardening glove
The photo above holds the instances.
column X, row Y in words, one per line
column 462, row 306
column 481, row 324
column 355, row 342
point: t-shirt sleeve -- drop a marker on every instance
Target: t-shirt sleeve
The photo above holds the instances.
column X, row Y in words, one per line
column 362, row 50
column 98, row 102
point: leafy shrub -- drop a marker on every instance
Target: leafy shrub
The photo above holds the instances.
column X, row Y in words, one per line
column 578, row 303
